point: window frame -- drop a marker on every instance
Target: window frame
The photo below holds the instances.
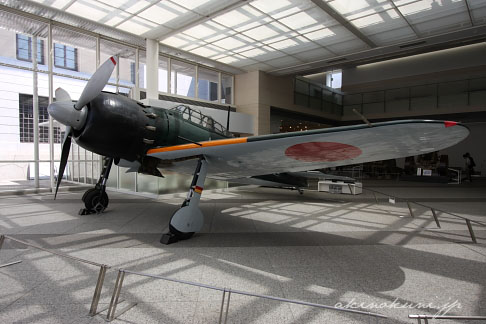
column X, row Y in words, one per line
column 26, row 120
column 224, row 94
column 64, row 57
column 40, row 48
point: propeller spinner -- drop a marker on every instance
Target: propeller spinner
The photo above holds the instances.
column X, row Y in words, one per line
column 74, row 115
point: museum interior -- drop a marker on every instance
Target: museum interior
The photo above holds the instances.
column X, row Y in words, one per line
column 339, row 144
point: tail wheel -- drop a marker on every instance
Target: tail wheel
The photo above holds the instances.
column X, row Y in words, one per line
column 95, row 200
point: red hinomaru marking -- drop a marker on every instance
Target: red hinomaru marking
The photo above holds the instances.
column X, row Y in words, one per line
column 198, row 189
column 449, row 123
column 322, row 152
column 113, row 60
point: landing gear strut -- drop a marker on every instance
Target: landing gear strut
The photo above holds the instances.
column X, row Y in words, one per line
column 95, row 199
column 189, row 218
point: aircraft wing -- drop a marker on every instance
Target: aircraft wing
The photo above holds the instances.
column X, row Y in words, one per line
column 246, row 157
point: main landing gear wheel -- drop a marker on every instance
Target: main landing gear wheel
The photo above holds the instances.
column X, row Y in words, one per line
column 95, row 200
column 189, row 218
column 180, row 235
column 174, row 236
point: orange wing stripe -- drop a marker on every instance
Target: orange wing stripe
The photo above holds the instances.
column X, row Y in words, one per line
column 204, row 144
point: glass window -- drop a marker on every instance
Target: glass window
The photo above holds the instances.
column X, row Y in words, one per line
column 142, row 80
column 127, row 179
column 183, row 77
column 65, row 57
column 132, row 72
column 163, row 74
column 226, row 89
column 207, row 85
column 126, row 56
column 147, row 183
column 26, row 120
column 24, row 49
column 334, row 79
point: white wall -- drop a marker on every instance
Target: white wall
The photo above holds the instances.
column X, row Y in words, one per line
column 12, row 83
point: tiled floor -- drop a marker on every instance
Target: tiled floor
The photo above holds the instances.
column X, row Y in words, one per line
column 320, row 248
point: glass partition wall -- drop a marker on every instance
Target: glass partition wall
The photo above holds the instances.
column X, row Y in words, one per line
column 38, row 57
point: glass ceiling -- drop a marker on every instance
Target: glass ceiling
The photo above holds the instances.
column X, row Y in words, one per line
column 273, row 34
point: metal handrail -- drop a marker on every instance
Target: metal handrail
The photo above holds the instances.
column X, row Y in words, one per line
column 114, row 302
column 423, row 205
column 101, row 276
column 10, row 264
column 433, row 209
column 56, row 253
column 111, row 312
column 384, row 101
column 27, row 161
column 447, row 317
column 451, row 317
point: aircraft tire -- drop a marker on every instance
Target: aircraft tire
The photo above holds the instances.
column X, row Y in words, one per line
column 87, row 192
column 95, row 201
column 180, row 235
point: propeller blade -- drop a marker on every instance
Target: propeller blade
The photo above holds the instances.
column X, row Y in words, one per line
column 66, row 146
column 96, row 83
column 55, row 123
column 67, row 132
column 62, row 95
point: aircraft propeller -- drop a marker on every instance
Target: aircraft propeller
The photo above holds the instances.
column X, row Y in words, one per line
column 73, row 115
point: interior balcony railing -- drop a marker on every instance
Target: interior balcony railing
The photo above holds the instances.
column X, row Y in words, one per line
column 425, row 99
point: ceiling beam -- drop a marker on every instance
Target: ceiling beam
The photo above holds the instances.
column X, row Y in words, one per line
column 343, row 21
column 469, row 13
column 94, row 29
column 466, row 36
column 202, row 19
column 406, row 20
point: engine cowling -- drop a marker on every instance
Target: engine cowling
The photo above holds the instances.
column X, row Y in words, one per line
column 116, row 126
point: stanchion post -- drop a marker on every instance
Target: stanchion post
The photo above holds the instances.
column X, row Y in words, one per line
column 227, row 306
column 97, row 292
column 222, row 307
column 113, row 296
column 376, row 199
column 435, row 217
column 469, row 226
column 410, row 209
column 350, row 189
column 116, row 294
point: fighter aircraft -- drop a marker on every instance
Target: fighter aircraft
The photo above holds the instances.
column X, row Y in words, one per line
column 147, row 139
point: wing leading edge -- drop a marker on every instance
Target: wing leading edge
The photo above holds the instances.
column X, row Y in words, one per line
column 310, row 150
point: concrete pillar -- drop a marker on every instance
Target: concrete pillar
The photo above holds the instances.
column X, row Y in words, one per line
column 137, row 75
column 51, row 100
column 35, row 115
column 152, row 69
column 248, row 100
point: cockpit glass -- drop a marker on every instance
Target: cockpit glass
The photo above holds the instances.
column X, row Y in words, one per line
column 199, row 118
